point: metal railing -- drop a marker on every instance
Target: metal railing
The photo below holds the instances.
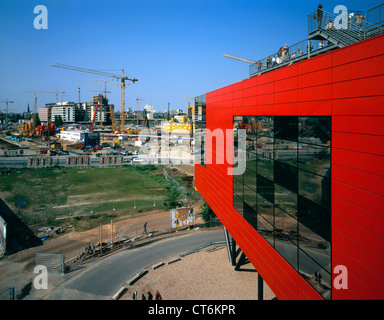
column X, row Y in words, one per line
column 354, row 29
column 375, row 15
column 290, row 54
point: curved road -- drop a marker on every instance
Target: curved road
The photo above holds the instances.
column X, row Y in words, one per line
column 103, row 279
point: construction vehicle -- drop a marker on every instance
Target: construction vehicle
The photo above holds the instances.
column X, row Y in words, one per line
column 27, row 129
column 122, row 79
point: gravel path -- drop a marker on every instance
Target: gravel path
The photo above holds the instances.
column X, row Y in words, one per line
column 204, row 275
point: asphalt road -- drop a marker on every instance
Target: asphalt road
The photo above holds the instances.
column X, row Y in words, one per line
column 103, row 279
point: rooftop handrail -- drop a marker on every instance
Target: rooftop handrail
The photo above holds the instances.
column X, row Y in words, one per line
column 288, row 54
column 375, row 15
column 320, row 19
column 360, row 25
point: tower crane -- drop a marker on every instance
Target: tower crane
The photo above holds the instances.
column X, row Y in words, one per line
column 6, row 108
column 122, row 79
column 137, row 100
column 239, row 59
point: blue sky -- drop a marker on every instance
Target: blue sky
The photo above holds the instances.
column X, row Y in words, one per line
column 174, row 47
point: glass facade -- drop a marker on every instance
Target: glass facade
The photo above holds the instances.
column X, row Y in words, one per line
column 285, row 191
column 200, row 129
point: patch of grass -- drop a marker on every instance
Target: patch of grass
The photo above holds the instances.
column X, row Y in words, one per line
column 45, row 189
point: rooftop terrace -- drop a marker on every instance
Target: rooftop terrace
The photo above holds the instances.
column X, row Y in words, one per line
column 326, row 32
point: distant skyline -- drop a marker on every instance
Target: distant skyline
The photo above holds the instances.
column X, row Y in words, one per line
column 174, row 48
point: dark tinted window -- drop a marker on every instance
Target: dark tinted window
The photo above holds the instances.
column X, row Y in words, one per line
column 265, row 188
column 285, row 175
column 314, row 217
column 286, row 128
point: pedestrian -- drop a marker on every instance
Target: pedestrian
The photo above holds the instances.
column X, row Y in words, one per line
column 145, row 228
column 310, row 47
column 158, row 296
column 330, row 26
column 258, row 63
column 319, row 16
column 274, row 60
column 269, row 61
column 143, row 297
column 150, row 296
column 359, row 21
column 286, row 52
column 300, row 53
column 321, row 44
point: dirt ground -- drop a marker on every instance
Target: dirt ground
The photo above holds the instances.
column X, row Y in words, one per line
column 17, row 269
column 204, row 275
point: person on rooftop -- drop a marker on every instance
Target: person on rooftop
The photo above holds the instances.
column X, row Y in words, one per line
column 359, row 20
column 299, row 52
column 329, row 26
column 319, row 16
column 269, row 61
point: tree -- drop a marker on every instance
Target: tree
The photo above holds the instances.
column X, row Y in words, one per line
column 38, row 122
column 206, row 212
column 172, row 199
column 58, row 121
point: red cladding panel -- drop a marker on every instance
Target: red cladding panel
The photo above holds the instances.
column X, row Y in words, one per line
column 373, row 125
column 360, row 161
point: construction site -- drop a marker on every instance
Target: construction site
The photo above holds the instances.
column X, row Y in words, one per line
column 96, row 129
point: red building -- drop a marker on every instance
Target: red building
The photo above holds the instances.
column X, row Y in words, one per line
column 312, row 197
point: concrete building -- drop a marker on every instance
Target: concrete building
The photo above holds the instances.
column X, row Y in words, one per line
column 72, row 135
column 66, row 110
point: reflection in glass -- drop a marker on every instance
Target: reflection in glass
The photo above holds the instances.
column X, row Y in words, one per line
column 288, row 250
column 286, row 151
column 265, row 147
column 265, row 127
column 265, row 167
column 315, row 246
column 286, row 200
column 315, row 188
column 319, row 278
column 238, row 204
column 316, row 159
column 265, row 229
column 285, row 175
column 265, row 188
column 251, row 161
column 315, row 130
column 250, row 197
column 286, row 128
column 238, row 186
column 250, row 179
column 315, row 217
column 285, row 226
column 265, row 209
column 250, row 215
